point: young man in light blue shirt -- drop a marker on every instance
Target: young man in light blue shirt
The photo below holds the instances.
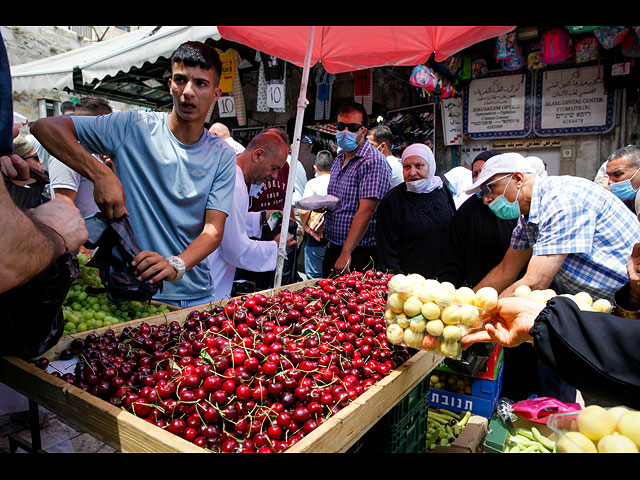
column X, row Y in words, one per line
column 172, row 177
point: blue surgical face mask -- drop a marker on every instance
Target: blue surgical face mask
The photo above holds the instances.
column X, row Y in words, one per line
column 624, row 190
column 505, row 209
column 254, row 190
column 347, row 141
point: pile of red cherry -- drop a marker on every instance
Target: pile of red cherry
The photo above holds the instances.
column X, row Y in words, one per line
column 254, row 375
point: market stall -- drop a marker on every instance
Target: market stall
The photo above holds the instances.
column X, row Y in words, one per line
column 127, row 430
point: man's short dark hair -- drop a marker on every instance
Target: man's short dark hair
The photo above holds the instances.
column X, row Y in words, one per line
column 382, row 134
column 324, row 160
column 349, row 107
column 93, row 106
column 630, row 152
column 198, row 54
column 67, row 106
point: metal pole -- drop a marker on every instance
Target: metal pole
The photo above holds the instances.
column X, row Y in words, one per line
column 286, row 212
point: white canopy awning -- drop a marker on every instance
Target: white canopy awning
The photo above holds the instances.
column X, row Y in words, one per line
column 101, row 59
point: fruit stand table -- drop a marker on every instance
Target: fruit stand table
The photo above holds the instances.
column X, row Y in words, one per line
column 127, row 433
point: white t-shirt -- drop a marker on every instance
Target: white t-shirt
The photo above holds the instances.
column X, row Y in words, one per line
column 397, row 176
column 237, row 250
column 62, row 176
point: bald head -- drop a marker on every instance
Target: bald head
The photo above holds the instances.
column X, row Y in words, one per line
column 220, row 130
column 265, row 154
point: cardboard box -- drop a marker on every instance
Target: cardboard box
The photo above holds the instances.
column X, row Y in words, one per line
column 470, row 439
column 482, row 401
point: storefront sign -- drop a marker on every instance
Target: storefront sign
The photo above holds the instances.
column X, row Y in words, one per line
column 452, row 120
column 572, row 101
column 498, row 105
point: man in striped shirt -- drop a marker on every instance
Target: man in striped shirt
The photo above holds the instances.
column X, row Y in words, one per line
column 572, row 234
column 360, row 177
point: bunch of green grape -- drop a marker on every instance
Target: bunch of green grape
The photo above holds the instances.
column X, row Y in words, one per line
column 87, row 311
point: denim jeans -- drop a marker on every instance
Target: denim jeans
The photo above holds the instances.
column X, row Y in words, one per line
column 313, row 256
column 189, row 303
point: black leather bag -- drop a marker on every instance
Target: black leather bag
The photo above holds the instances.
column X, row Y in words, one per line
column 31, row 316
column 116, row 248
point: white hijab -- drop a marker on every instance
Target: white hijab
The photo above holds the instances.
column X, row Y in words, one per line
column 432, row 182
column 460, row 179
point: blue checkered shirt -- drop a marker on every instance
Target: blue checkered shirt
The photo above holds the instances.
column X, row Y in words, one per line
column 366, row 175
column 574, row 216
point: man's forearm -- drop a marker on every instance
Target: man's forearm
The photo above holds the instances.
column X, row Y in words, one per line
column 58, row 137
column 42, row 243
column 207, row 242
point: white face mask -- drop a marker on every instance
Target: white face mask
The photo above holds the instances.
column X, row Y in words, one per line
column 418, row 186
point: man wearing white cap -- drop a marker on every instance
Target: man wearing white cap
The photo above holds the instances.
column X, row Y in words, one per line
column 570, row 231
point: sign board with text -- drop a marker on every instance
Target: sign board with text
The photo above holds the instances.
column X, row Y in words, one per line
column 498, row 105
column 572, row 101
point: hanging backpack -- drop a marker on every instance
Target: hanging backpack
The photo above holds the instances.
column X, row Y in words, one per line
column 581, row 29
column 554, row 46
column 513, row 63
column 534, row 60
column 610, row 37
column 631, row 46
column 424, row 77
column 506, row 46
column 479, row 68
column 465, row 68
column 586, row 49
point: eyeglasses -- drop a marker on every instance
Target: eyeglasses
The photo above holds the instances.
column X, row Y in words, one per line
column 35, row 156
column 486, row 189
column 352, row 127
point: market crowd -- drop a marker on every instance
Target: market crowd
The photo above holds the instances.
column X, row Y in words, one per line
column 206, row 214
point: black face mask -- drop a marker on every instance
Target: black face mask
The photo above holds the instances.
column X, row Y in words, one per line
column 116, row 248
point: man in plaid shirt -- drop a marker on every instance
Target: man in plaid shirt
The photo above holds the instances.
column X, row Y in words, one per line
column 360, row 178
column 572, row 232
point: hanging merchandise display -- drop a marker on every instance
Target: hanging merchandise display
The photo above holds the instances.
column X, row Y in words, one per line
column 610, row 37
column 230, row 82
column 273, row 71
column 363, row 88
column 425, row 77
column 506, row 46
column 581, row 29
column 513, row 63
column 479, row 68
column 554, row 46
column 534, row 57
column 324, row 84
column 586, row 49
column 631, row 45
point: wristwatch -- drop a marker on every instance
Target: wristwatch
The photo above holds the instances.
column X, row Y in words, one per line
column 178, row 265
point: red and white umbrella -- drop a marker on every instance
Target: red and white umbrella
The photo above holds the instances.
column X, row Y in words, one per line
column 349, row 48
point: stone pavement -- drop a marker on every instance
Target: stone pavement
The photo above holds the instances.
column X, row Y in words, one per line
column 55, row 435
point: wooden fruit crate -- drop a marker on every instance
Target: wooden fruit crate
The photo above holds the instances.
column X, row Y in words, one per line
column 127, row 433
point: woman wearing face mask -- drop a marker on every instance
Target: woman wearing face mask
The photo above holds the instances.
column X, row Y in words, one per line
column 413, row 217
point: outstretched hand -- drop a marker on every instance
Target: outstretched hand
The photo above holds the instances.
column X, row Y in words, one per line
column 513, row 318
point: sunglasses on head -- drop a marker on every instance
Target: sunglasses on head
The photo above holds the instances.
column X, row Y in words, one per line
column 352, row 127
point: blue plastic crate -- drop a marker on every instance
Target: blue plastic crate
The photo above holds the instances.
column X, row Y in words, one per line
column 482, row 401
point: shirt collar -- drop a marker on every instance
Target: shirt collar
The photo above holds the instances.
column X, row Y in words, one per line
column 534, row 208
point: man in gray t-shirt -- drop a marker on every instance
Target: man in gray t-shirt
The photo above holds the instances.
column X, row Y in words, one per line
column 171, row 176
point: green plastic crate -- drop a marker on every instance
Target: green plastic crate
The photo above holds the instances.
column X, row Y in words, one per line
column 403, row 429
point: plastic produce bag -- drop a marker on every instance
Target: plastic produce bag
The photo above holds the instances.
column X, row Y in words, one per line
column 31, row 314
column 318, row 203
column 538, row 409
column 473, row 360
column 116, row 248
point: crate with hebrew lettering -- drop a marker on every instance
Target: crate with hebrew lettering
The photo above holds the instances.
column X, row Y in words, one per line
column 463, row 393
